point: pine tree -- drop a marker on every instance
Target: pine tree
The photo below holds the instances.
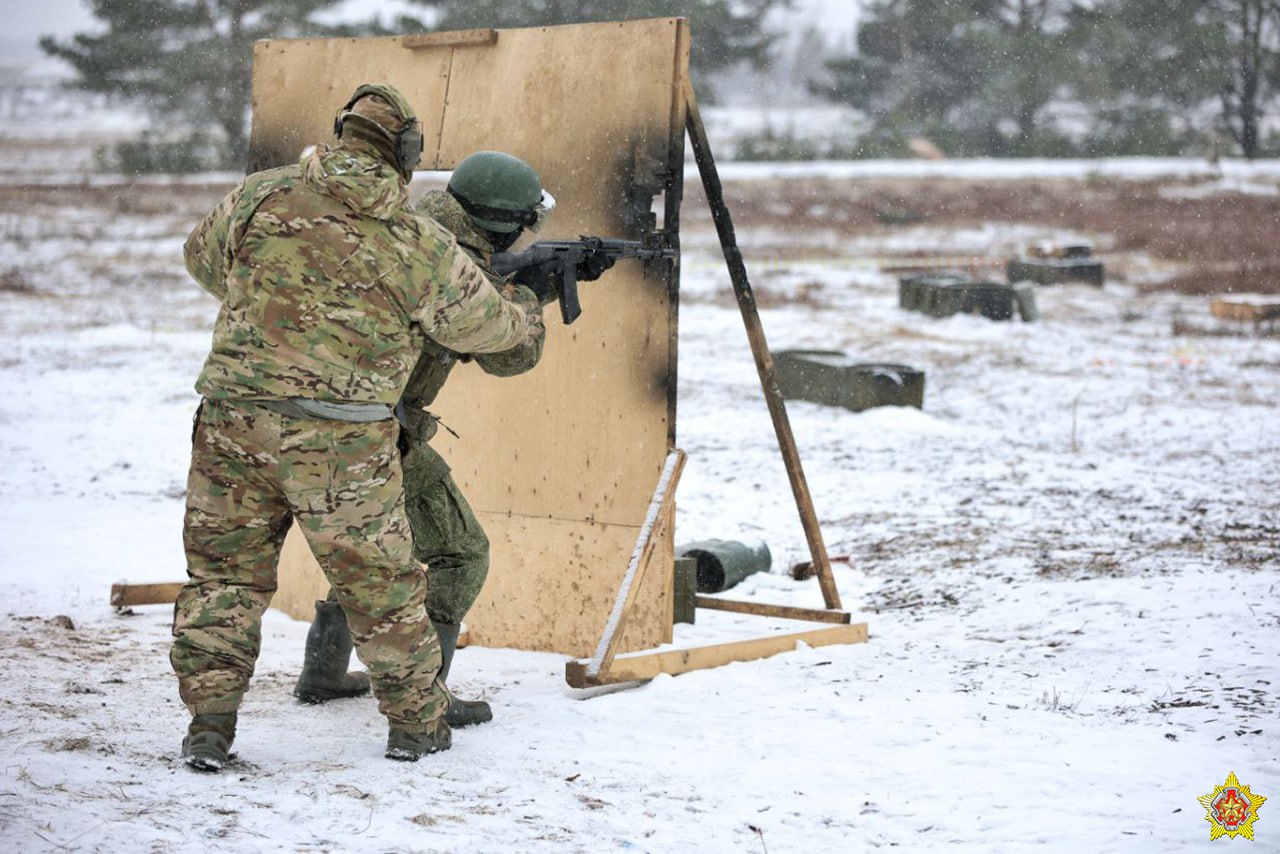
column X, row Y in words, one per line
column 975, row 75
column 1192, row 58
column 189, row 62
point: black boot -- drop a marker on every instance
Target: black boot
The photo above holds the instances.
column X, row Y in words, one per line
column 324, row 665
column 460, row 712
column 404, row 746
column 208, row 741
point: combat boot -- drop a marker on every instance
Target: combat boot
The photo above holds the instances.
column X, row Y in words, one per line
column 405, row 746
column 460, row 712
column 208, row 741
column 324, row 664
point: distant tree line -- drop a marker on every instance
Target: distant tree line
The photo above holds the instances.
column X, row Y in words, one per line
column 1063, row 77
column 189, row 62
column 973, row 77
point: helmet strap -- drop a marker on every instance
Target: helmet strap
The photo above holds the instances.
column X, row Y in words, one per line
column 502, row 240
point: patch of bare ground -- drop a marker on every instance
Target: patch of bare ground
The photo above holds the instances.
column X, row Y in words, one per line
column 1223, row 241
column 810, row 294
column 189, row 199
column 1244, row 276
column 12, row 280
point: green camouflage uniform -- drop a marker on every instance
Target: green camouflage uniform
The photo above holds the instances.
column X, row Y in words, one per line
column 447, row 537
column 330, row 285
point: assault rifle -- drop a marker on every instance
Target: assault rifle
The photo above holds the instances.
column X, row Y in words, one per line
column 555, row 266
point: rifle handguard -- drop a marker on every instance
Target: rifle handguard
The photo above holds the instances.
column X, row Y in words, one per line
column 554, row 266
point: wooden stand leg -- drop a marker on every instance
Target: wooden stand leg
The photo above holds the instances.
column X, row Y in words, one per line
column 759, row 347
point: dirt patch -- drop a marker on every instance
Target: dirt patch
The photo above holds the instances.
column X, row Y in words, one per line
column 189, row 199
column 14, row 282
column 1245, row 276
column 1221, row 241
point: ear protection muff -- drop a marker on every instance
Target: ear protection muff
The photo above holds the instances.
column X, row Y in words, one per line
column 407, row 144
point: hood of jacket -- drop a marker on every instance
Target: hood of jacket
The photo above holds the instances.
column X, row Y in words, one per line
column 358, row 178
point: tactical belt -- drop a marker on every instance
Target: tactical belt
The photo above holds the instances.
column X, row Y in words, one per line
column 301, row 407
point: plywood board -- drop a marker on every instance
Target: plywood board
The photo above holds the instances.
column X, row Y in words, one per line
column 301, row 582
column 576, row 446
column 519, row 608
column 549, row 585
column 299, row 85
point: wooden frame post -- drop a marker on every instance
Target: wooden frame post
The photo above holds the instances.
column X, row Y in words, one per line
column 659, row 515
column 607, row 668
column 759, row 347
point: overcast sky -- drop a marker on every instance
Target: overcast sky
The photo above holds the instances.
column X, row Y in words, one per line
column 27, row 20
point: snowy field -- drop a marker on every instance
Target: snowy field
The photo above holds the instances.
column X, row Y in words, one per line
column 1068, row 561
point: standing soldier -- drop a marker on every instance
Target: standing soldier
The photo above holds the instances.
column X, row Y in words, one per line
column 330, row 285
column 491, row 199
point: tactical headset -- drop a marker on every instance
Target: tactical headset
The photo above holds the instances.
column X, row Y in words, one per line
column 407, row 143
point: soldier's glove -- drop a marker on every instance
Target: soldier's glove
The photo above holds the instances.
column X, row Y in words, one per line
column 524, row 297
column 593, row 266
column 542, row 280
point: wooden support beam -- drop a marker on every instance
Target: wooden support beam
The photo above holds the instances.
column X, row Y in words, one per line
column 764, row 609
column 642, row 666
column 759, row 347
column 460, row 38
column 659, row 514
column 123, row 595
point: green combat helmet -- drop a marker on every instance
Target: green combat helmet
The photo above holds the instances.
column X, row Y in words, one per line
column 502, row 194
column 380, row 115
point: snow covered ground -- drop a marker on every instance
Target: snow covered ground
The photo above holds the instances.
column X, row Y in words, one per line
column 1068, row 561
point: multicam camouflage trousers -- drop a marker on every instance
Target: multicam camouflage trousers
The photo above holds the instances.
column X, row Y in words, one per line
column 446, row 535
column 253, row 471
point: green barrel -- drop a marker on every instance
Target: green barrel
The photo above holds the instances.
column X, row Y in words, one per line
column 723, row 563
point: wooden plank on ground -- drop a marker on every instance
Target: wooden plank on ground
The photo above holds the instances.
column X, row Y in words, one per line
column 642, row 666
column 1256, row 312
column 764, row 609
column 123, row 595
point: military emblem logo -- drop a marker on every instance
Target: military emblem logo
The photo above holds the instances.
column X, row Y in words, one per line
column 1231, row 809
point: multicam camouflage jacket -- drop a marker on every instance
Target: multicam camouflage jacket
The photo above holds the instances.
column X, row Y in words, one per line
column 331, row 284
column 433, row 367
